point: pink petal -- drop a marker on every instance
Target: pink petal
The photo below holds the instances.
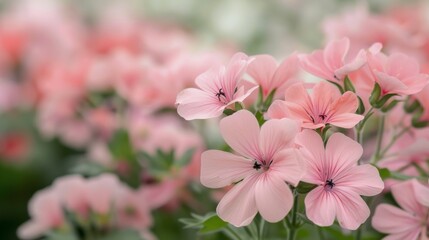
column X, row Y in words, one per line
column 411, row 235
column 363, row 180
column 298, row 94
column 238, row 206
column 285, row 71
column 404, row 194
column 277, row 110
column 422, row 193
column 262, row 70
column 288, row 166
column 315, row 64
column 352, row 210
column 347, row 103
column 313, row 155
column 275, row 135
column 208, row 82
column 233, row 74
column 335, row 53
column 346, row 120
column 273, row 197
column 324, row 94
column 341, row 153
column 320, row 207
column 297, row 112
column 401, row 66
column 356, row 63
column 416, row 83
column 243, row 138
column 390, row 84
column 196, row 104
column 220, row 169
column 32, row 230
column 389, row 219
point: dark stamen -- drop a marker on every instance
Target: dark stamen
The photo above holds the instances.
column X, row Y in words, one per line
column 257, row 165
column 322, row 116
column 330, row 183
column 220, row 93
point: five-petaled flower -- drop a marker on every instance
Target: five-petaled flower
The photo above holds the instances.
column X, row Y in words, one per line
column 325, row 106
column 267, row 160
column 340, row 180
column 219, row 88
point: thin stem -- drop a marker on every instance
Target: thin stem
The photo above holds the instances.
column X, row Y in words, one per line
column 394, row 138
column 320, row 232
column 261, row 228
column 380, row 132
column 293, row 224
column 253, row 230
column 359, row 233
column 231, row 233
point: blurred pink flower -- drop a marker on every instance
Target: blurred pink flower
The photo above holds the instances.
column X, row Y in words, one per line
column 397, row 73
column 340, row 180
column 410, row 222
column 334, row 62
column 266, row 160
column 46, row 214
column 73, row 191
column 132, row 211
column 270, row 75
column 102, row 191
column 220, row 87
column 325, row 106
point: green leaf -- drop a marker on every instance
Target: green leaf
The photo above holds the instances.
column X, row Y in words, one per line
column 389, row 106
column 375, row 94
column 127, row 234
column 260, row 117
column 361, row 108
column 380, row 103
column 238, row 106
column 384, row 173
column 120, row 145
column 185, row 158
column 304, row 187
column 411, row 107
column 213, row 224
column 269, row 100
column 228, row 111
column 348, row 85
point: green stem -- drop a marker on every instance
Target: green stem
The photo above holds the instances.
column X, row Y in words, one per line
column 380, row 132
column 261, row 229
column 231, row 233
column 293, row 225
column 359, row 233
column 320, row 232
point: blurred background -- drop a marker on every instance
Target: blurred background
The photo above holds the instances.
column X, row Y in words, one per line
column 88, row 87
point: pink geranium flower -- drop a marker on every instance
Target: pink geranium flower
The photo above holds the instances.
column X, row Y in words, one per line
column 410, row 222
column 325, row 106
column 340, row 180
column 270, row 75
column 334, row 62
column 397, row 73
column 219, row 88
column 266, row 160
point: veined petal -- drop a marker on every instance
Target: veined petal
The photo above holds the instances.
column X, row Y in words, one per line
column 298, row 94
column 346, row 120
column 241, row 132
column 275, row 135
column 262, row 70
column 341, row 153
column 197, row 104
column 335, row 53
column 323, row 97
column 288, row 166
column 220, row 169
column 238, row 206
column 313, row 155
column 285, row 71
column 347, row 103
column 315, row 64
column 352, row 210
column 363, row 180
column 404, row 194
column 277, row 110
column 320, row 207
column 274, row 198
column 392, row 220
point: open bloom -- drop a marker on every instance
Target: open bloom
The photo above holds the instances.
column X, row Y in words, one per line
column 266, row 160
column 410, row 222
column 325, row 106
column 397, row 73
column 334, row 62
column 220, row 87
column 340, row 180
column 270, row 75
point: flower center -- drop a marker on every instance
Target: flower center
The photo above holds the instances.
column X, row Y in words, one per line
column 329, row 183
column 264, row 165
column 220, row 94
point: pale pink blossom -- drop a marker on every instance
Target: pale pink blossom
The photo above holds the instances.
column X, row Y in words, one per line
column 270, row 75
column 324, row 106
column 397, row 73
column 219, row 88
column 410, row 221
column 102, row 191
column 334, row 62
column 46, row 214
column 73, row 192
column 266, row 160
column 340, row 181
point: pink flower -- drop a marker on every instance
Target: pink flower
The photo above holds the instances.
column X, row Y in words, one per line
column 73, row 193
column 46, row 214
column 266, row 160
column 131, row 210
column 334, row 62
column 220, row 87
column 410, row 222
column 397, row 73
column 325, row 106
column 340, row 180
column 102, row 191
column 269, row 75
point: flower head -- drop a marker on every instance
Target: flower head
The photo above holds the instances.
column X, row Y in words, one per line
column 266, row 160
column 219, row 88
column 340, row 180
column 325, row 106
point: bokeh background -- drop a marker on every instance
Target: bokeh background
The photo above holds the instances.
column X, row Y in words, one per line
column 69, row 91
